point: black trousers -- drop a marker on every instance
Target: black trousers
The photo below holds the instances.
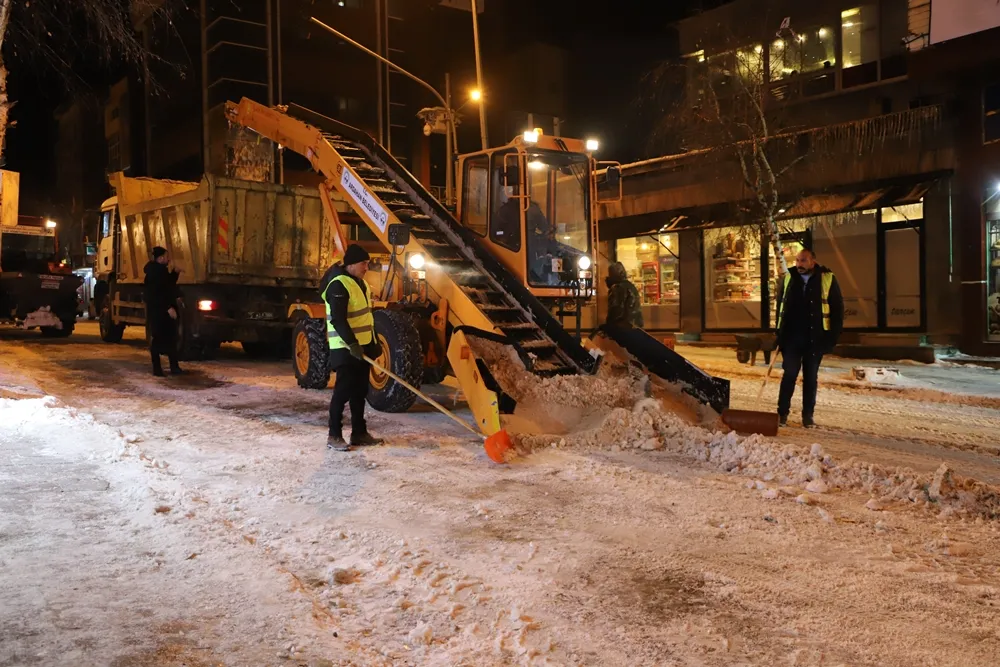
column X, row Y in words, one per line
column 350, row 387
column 163, row 341
column 798, row 356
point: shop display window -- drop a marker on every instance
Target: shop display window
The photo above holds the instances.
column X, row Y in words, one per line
column 732, row 278
column 993, row 269
column 653, row 266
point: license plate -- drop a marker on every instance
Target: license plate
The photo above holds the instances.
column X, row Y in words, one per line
column 47, row 284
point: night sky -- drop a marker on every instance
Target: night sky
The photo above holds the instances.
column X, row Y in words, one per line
column 611, row 45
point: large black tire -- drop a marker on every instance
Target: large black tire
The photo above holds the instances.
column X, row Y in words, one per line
column 311, row 354
column 65, row 332
column 110, row 332
column 397, row 335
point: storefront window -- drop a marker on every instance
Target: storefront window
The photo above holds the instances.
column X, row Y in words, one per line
column 993, row 268
column 653, row 266
column 732, row 278
column 903, row 213
column 846, row 244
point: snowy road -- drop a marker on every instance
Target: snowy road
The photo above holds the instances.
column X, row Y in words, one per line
column 200, row 521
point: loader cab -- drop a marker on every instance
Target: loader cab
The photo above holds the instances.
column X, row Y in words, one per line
column 532, row 203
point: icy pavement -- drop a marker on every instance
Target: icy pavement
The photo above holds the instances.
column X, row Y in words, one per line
column 200, row 521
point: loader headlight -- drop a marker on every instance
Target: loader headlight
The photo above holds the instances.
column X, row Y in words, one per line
column 583, row 263
column 417, row 261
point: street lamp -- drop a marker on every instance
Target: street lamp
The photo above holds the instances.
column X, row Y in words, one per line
column 448, row 112
column 475, row 95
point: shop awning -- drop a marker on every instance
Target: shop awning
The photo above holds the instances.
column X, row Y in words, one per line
column 896, row 192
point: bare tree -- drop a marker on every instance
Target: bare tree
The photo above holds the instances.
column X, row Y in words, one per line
column 67, row 35
column 724, row 108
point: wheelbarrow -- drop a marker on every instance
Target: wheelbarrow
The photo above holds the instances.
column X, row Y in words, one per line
column 748, row 345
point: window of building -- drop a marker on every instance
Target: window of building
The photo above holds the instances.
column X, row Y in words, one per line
column 750, row 65
column 991, row 113
column 794, row 236
column 902, row 277
column 785, row 59
column 475, row 188
column 653, row 266
column 847, row 244
column 732, row 278
column 903, row 213
column 993, row 266
column 818, row 47
column 859, row 35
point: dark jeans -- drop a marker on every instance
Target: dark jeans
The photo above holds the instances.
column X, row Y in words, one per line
column 350, row 387
column 163, row 340
column 795, row 357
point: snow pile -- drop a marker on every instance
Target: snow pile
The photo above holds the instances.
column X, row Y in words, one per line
column 612, row 411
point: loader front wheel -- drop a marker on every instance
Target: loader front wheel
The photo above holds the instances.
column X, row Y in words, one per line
column 401, row 354
column 110, row 332
column 311, row 353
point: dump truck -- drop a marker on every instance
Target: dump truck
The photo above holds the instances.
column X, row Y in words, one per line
column 37, row 290
column 250, row 256
column 523, row 241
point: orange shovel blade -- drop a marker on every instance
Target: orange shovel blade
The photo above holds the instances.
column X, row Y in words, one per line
column 496, row 445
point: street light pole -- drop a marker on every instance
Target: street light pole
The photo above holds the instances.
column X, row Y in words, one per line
column 449, row 182
column 446, row 104
column 479, row 77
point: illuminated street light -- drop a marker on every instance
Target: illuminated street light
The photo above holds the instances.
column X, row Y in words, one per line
column 50, row 224
column 475, row 94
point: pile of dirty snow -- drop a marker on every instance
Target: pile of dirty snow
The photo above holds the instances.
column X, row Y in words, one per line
column 619, row 409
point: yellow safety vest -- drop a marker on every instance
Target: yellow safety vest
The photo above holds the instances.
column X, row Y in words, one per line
column 826, row 282
column 359, row 313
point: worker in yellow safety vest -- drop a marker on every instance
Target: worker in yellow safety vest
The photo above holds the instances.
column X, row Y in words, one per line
column 810, row 318
column 350, row 328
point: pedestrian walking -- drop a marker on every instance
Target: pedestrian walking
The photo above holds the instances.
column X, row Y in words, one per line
column 350, row 327
column 810, row 319
column 161, row 294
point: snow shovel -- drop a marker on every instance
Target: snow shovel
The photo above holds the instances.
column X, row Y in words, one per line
column 754, row 421
column 495, row 445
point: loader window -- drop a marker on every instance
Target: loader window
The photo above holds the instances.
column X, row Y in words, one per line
column 558, row 219
column 26, row 252
column 475, row 185
column 505, row 208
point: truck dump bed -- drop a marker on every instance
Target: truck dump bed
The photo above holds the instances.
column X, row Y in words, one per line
column 227, row 231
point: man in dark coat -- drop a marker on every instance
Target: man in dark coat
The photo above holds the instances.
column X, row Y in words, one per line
column 624, row 304
column 160, row 295
column 351, row 337
column 810, row 319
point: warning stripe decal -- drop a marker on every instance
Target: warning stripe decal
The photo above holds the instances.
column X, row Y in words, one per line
column 223, row 234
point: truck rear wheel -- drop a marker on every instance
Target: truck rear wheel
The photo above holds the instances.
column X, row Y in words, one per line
column 110, row 332
column 311, row 354
column 398, row 337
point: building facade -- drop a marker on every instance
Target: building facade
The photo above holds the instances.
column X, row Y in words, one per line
column 889, row 164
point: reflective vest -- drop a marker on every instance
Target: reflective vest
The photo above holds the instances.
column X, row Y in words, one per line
column 826, row 282
column 359, row 313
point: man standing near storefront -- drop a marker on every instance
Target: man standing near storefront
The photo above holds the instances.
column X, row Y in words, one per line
column 810, row 319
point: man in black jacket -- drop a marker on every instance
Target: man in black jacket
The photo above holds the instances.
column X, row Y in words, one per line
column 351, row 336
column 161, row 294
column 810, row 319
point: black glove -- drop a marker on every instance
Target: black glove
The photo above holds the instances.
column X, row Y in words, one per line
column 356, row 351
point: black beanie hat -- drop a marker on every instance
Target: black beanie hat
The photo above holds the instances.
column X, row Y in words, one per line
column 159, row 251
column 355, row 254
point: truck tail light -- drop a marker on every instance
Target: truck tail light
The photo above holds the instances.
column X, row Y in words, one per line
column 207, row 304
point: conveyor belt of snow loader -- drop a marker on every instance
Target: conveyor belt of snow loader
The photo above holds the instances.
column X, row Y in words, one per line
column 667, row 364
column 455, row 250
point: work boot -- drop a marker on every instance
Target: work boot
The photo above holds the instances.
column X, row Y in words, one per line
column 365, row 439
column 157, row 368
column 175, row 368
column 808, row 422
column 337, row 443
column 783, row 420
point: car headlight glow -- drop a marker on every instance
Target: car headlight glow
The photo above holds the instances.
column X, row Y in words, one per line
column 417, row 261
